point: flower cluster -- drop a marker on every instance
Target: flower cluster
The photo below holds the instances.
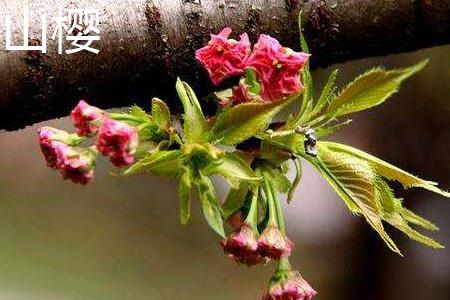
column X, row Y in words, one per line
column 63, row 151
column 246, row 246
column 277, row 68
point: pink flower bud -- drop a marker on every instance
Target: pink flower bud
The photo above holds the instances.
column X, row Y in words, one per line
column 118, row 141
column 278, row 68
column 273, row 244
column 75, row 164
column 242, row 246
column 45, row 136
column 223, row 57
column 289, row 286
column 86, row 118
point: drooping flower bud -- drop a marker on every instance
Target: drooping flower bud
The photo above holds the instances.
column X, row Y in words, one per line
column 278, row 68
column 242, row 246
column 45, row 137
column 223, row 57
column 289, row 285
column 76, row 164
column 273, row 244
column 118, row 141
column 86, row 118
column 50, row 139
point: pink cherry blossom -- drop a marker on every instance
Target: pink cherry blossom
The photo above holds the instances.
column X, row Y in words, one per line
column 223, row 57
column 75, row 164
column 86, row 118
column 242, row 94
column 273, row 244
column 45, row 136
column 289, row 286
column 242, row 246
column 278, row 68
column 118, row 141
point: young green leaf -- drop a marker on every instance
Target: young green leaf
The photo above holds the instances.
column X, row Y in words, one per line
column 392, row 213
column 303, row 44
column 297, row 178
column 185, row 197
column 138, row 112
column 273, row 154
column 412, row 218
column 160, row 113
column 328, row 130
column 307, row 96
column 243, row 121
column 370, row 89
column 357, row 178
column 235, row 200
column 210, row 204
column 233, row 168
column 354, row 181
column 385, row 169
column 327, row 93
column 195, row 125
column 252, row 81
column 280, row 182
column 167, row 162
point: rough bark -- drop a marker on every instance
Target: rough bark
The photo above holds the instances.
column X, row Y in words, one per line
column 145, row 44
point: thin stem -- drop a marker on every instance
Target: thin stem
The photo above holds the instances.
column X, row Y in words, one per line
column 280, row 133
column 317, row 120
column 298, row 176
column 271, row 204
column 283, row 264
column 252, row 216
column 279, row 212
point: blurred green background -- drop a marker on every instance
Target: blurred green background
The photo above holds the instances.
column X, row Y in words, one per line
column 119, row 238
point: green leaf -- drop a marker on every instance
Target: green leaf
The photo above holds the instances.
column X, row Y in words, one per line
column 160, row 113
column 393, row 214
column 243, row 121
column 357, row 177
column 235, row 200
column 276, row 177
column 167, row 162
column 298, row 176
column 303, row 44
column 307, row 96
column 385, row 169
column 210, row 204
column 370, row 89
column 138, row 112
column 327, row 93
column 273, row 154
column 233, row 168
column 252, row 81
column 411, row 217
column 354, row 181
column 292, row 143
column 185, row 197
column 328, row 130
column 195, row 125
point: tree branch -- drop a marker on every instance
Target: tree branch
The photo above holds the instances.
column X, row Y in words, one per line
column 145, row 44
